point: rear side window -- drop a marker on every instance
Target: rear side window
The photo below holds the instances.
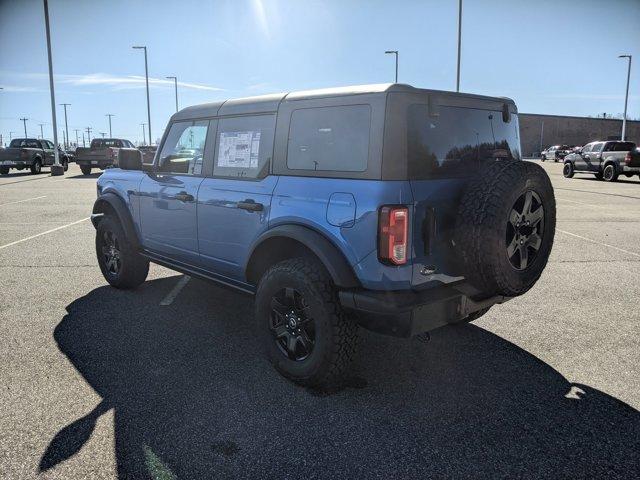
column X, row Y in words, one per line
column 244, row 146
column 329, row 139
column 621, row 147
column 183, row 149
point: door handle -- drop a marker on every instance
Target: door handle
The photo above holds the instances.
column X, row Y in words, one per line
column 251, row 206
column 183, row 197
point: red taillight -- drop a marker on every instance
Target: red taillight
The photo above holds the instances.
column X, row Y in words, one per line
column 627, row 159
column 392, row 235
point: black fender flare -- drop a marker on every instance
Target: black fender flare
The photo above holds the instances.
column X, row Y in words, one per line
column 330, row 256
column 119, row 208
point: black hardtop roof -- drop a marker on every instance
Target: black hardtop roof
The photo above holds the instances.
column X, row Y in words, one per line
column 270, row 103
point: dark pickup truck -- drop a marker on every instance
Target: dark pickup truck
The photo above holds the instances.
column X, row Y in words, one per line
column 30, row 153
column 102, row 153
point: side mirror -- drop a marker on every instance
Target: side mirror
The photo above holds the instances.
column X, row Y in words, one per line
column 130, row 159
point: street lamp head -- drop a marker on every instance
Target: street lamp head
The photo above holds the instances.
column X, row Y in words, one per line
column 391, row 51
column 172, row 78
column 624, row 56
column 138, row 47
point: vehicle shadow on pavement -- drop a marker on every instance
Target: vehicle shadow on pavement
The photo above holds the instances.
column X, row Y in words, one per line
column 194, row 398
column 82, row 176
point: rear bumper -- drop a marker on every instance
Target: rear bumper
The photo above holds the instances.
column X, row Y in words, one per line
column 94, row 163
column 409, row 313
column 627, row 169
column 16, row 163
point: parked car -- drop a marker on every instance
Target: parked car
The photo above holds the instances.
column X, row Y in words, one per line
column 148, row 152
column 554, row 153
column 30, row 153
column 390, row 207
column 606, row 160
column 563, row 151
column 102, row 153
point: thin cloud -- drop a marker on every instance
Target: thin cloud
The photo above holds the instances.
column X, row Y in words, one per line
column 115, row 82
column 592, row 96
column 20, row 89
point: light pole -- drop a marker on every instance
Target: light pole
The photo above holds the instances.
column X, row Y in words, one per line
column 76, row 130
column 459, row 43
column 24, row 121
column 66, row 126
column 110, row 115
column 626, row 97
column 41, row 130
column 56, row 168
column 394, row 52
column 146, row 74
column 143, row 134
column 175, row 83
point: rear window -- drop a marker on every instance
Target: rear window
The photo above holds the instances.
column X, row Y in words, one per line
column 457, row 140
column 621, row 147
column 105, row 142
column 329, row 139
column 22, row 143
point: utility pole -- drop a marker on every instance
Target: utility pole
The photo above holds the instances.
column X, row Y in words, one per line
column 89, row 134
column 76, row 130
column 24, row 121
column 459, row 43
column 110, row 115
column 41, row 131
column 83, row 144
column 146, row 74
column 394, row 52
column 175, row 83
column 11, row 135
column 56, row 168
column 143, row 134
column 66, row 127
column 626, row 97
column 103, row 134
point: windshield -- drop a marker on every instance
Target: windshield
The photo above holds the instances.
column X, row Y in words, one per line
column 457, row 140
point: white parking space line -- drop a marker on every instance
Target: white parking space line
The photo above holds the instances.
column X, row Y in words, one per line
column 20, row 201
column 599, row 243
column 168, row 300
column 43, row 233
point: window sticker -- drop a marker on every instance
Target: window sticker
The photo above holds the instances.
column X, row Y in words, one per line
column 239, row 149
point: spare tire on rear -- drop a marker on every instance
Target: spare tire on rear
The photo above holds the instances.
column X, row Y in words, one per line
column 505, row 227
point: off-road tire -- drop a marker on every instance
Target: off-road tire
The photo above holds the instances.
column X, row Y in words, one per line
column 85, row 169
column 336, row 335
column 134, row 267
column 4, row 170
column 65, row 165
column 483, row 224
column 36, row 167
column 610, row 174
column 568, row 170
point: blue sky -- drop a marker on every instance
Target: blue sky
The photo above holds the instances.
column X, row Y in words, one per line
column 556, row 57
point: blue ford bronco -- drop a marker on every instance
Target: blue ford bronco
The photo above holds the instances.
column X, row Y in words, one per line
column 384, row 206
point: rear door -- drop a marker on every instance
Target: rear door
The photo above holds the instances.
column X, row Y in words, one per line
column 168, row 195
column 49, row 155
column 594, row 157
column 234, row 204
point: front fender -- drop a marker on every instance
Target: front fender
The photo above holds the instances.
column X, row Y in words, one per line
column 110, row 203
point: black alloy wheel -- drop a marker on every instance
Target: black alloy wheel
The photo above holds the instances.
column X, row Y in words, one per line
column 525, row 230
column 111, row 253
column 291, row 325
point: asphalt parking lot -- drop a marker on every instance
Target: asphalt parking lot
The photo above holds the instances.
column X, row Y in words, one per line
column 100, row 383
